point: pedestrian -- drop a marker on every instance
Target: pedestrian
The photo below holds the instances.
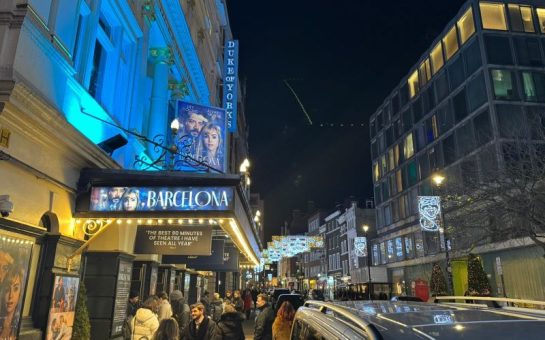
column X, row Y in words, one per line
column 230, row 324
column 264, row 319
column 180, row 309
column 229, row 296
column 281, row 329
column 255, row 292
column 238, row 302
column 145, row 322
column 247, row 303
column 201, row 326
column 134, row 303
column 165, row 310
column 168, row 330
column 216, row 307
column 205, row 300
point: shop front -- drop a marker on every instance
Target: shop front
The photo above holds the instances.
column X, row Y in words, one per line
column 178, row 230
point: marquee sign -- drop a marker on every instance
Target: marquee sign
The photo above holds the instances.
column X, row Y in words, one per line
column 360, row 246
column 161, row 198
column 429, row 210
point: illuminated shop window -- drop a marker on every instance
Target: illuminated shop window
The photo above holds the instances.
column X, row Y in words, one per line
column 408, row 146
column 541, row 19
column 466, row 26
column 521, row 18
column 425, row 72
column 409, row 246
column 399, row 249
column 436, row 57
column 413, row 84
column 493, row 16
column 451, row 43
column 504, row 87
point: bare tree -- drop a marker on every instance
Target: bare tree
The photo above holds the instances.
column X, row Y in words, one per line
column 504, row 198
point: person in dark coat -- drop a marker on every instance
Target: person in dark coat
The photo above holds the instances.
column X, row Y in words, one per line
column 238, row 302
column 230, row 325
column 180, row 309
column 134, row 303
column 264, row 319
column 201, row 326
column 205, row 300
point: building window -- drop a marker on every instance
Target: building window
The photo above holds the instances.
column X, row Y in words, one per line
column 459, row 103
column 376, row 172
column 436, row 57
column 97, row 71
column 413, row 84
column 493, row 16
column 456, row 73
column 504, row 87
column 408, row 146
column 534, row 86
column 441, row 86
column 376, row 255
column 399, row 249
column 412, row 173
column 424, row 165
column 476, row 92
column 399, row 180
column 409, row 246
column 541, row 19
column 498, row 50
column 521, row 18
column 527, row 51
column 450, row 41
column 391, row 161
column 464, row 135
column 396, row 155
column 449, row 150
column 384, row 165
column 425, row 72
column 466, row 26
column 472, row 57
column 483, row 129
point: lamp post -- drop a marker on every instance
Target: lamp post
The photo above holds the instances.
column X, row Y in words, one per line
column 365, row 230
column 438, row 180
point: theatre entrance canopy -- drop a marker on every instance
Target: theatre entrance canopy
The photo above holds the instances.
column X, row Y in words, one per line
column 170, row 214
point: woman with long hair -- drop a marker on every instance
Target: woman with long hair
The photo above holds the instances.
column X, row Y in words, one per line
column 130, row 201
column 168, row 330
column 210, row 146
column 10, row 307
column 281, row 329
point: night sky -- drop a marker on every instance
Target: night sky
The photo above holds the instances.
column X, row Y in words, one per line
column 342, row 58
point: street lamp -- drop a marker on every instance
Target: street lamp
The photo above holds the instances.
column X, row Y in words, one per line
column 365, row 230
column 438, row 179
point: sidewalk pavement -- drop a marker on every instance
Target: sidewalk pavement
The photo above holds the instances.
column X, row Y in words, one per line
column 248, row 326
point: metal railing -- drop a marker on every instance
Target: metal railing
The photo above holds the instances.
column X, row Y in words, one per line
column 368, row 327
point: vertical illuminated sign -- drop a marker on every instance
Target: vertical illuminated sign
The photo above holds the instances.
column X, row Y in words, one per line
column 230, row 81
column 429, row 210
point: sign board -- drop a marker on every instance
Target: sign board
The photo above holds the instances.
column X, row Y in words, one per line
column 230, row 82
column 499, row 267
column 429, row 211
column 122, row 290
column 161, row 199
column 360, row 246
column 173, row 240
column 196, row 262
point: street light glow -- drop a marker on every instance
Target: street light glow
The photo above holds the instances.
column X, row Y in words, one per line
column 365, row 228
column 438, row 179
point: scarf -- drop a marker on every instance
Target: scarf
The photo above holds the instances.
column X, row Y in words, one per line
column 202, row 329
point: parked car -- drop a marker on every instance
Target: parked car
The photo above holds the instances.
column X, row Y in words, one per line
column 414, row 320
column 276, row 293
column 296, row 300
column 316, row 294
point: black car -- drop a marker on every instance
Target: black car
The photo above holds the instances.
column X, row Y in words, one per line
column 296, row 301
column 415, row 320
column 276, row 293
column 406, row 298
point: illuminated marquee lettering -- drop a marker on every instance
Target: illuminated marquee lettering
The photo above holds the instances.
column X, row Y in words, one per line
column 163, row 199
column 230, row 83
column 429, row 210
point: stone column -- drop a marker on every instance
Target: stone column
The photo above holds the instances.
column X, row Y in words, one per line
column 158, row 125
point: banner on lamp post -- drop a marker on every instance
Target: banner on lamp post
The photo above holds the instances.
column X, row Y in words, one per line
column 360, row 246
column 429, row 211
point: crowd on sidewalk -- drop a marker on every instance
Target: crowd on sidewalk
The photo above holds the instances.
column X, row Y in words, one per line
column 164, row 317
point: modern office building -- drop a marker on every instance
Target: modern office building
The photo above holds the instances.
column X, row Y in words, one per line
column 468, row 94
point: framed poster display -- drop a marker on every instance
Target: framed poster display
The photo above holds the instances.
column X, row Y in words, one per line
column 62, row 310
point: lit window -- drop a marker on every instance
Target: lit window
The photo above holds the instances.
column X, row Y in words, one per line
column 436, row 57
column 434, row 127
column 493, row 16
column 408, row 146
column 466, row 26
column 399, row 180
column 384, row 166
column 376, row 172
column 451, row 43
column 541, row 19
column 503, row 84
column 425, row 72
column 413, row 84
column 521, row 18
column 396, row 155
column 391, row 159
